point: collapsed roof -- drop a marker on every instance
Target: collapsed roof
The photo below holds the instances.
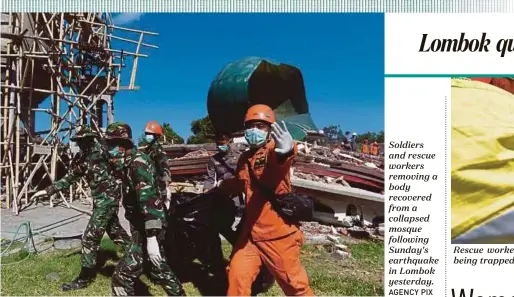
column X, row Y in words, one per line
column 251, row 81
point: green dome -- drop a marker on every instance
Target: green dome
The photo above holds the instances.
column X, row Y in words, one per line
column 251, row 81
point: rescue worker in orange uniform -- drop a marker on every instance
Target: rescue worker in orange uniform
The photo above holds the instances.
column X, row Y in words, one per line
column 374, row 149
column 365, row 147
column 265, row 237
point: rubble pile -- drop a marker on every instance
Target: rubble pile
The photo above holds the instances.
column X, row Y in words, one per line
column 317, row 232
column 319, row 178
column 326, row 155
column 196, row 154
column 315, row 163
column 332, row 238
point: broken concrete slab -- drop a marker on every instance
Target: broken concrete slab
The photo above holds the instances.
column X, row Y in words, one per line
column 340, row 255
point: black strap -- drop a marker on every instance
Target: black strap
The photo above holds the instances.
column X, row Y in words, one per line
column 269, row 194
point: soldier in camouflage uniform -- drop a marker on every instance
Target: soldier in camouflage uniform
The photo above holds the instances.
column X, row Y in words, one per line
column 150, row 145
column 144, row 209
column 92, row 163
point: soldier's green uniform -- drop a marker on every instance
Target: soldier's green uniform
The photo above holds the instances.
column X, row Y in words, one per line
column 92, row 163
column 156, row 152
column 144, row 209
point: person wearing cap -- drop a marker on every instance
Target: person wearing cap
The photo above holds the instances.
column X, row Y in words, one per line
column 92, row 163
column 354, row 141
column 145, row 211
column 365, row 147
column 266, row 238
column 151, row 146
column 347, row 142
column 222, row 167
column 374, row 148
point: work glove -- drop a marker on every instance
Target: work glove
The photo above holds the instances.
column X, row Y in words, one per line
column 283, row 139
column 167, row 201
column 119, row 291
column 152, row 247
column 39, row 194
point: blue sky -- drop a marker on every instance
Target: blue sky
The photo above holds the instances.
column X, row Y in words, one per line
column 341, row 57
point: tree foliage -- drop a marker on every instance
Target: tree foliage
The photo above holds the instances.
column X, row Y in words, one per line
column 203, row 131
column 334, row 133
column 170, row 136
column 371, row 136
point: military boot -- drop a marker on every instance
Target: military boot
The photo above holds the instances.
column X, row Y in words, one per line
column 86, row 277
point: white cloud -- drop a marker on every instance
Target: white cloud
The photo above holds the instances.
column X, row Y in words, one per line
column 126, row 18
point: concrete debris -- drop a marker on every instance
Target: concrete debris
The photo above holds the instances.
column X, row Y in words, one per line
column 340, row 255
column 340, row 180
column 329, row 180
column 196, row 154
column 316, row 239
column 342, row 247
column 315, row 228
column 359, row 232
column 334, row 239
column 381, row 229
column 325, row 155
column 372, row 165
column 334, row 231
column 333, row 234
column 325, row 179
column 348, row 221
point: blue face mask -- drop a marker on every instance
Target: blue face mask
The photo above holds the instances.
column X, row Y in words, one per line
column 223, row 148
column 255, row 137
column 149, row 137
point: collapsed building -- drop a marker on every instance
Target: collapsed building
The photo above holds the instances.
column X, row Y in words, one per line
column 58, row 71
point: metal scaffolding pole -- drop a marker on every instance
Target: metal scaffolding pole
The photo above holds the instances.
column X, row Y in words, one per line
column 66, row 61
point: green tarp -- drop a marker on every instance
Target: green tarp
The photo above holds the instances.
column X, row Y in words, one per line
column 253, row 81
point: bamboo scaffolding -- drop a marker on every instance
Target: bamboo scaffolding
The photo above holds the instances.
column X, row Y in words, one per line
column 66, row 60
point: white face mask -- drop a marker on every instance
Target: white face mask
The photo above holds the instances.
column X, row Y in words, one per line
column 149, row 137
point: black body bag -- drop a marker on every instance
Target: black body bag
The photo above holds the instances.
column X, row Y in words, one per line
column 292, row 207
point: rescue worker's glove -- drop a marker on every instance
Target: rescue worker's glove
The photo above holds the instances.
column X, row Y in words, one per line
column 167, row 201
column 39, row 194
column 283, row 139
column 152, row 247
column 120, row 291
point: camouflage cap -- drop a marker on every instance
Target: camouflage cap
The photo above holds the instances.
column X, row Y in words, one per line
column 83, row 132
column 119, row 130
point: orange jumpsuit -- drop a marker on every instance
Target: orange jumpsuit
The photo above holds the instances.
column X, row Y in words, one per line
column 265, row 237
column 365, row 149
column 374, row 149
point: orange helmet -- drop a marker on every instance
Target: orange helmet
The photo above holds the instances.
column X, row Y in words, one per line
column 260, row 112
column 154, row 128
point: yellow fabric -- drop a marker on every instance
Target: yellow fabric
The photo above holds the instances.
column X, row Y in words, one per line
column 482, row 146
